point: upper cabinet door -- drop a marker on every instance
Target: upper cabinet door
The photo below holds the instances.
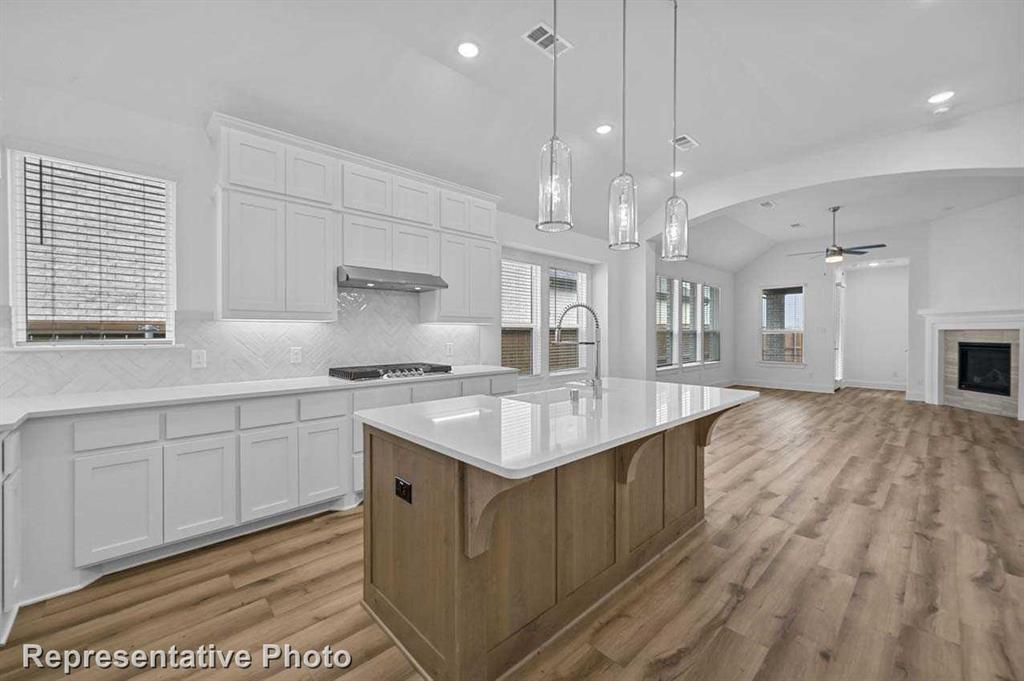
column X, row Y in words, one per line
column 483, row 280
column 311, row 175
column 481, row 218
column 454, row 211
column 256, row 162
column 414, row 201
column 255, row 253
column 415, row 249
column 366, row 189
column 310, row 285
column 366, row 242
column 454, row 301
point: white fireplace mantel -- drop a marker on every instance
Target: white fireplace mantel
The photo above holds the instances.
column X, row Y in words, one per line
column 938, row 320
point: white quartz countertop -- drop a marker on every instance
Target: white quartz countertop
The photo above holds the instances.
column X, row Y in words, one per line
column 522, row 435
column 13, row 411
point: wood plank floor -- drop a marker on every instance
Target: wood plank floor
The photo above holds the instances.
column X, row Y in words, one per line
column 849, row 536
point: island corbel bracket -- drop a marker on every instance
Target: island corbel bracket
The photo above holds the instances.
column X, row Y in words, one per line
column 706, row 425
column 481, row 491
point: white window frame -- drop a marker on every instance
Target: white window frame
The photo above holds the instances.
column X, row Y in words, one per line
column 546, row 264
column 698, row 321
column 13, row 158
column 803, row 330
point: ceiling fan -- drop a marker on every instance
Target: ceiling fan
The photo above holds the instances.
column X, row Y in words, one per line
column 835, row 252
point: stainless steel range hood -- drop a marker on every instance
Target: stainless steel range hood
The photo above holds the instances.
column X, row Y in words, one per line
column 388, row 280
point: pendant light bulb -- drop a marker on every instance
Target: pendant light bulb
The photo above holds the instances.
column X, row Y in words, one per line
column 623, row 230
column 554, row 196
column 675, row 237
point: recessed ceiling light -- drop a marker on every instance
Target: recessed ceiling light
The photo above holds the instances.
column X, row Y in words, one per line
column 873, row 264
column 941, row 97
column 939, row 110
column 370, row 284
column 469, row 50
column 603, row 129
column 797, row 225
column 676, row 173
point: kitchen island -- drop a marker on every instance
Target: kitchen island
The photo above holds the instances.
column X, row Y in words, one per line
column 491, row 523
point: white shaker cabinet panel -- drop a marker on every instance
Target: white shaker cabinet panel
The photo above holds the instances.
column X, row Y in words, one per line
column 366, row 189
column 483, row 278
column 476, row 386
column 325, row 460
column 454, row 301
column 414, row 201
column 200, row 486
column 366, row 242
column 256, row 162
column 255, row 253
column 268, row 462
column 118, row 504
column 435, row 391
column 455, row 213
column 12, row 524
column 481, row 218
column 311, row 175
column 415, row 249
column 310, row 275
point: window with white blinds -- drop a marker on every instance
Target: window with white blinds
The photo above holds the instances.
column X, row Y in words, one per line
column 664, row 319
column 711, row 343
column 519, row 315
column 566, row 287
column 782, row 324
column 92, row 255
column 688, row 326
column 687, row 322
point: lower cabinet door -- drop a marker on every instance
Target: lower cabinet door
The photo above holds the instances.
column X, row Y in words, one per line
column 12, row 539
column 200, row 486
column 269, row 471
column 325, row 460
column 118, row 504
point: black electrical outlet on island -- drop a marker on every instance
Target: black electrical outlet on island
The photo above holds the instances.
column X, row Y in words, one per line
column 403, row 490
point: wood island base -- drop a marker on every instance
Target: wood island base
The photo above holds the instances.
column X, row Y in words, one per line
column 480, row 571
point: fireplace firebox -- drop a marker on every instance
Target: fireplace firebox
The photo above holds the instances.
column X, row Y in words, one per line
column 985, row 368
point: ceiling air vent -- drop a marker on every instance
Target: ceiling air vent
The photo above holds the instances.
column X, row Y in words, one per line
column 543, row 38
column 767, row 203
column 685, row 143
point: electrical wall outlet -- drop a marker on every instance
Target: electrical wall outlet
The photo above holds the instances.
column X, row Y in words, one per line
column 449, row 349
column 295, row 355
column 198, row 359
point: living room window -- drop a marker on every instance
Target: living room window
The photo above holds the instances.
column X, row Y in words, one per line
column 687, row 322
column 782, row 325
column 519, row 315
column 92, row 254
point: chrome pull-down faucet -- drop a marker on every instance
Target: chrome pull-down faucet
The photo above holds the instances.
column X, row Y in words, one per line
column 594, row 382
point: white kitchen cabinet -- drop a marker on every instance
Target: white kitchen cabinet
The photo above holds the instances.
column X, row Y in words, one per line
column 366, row 242
column 12, row 554
column 310, row 175
column 481, row 218
column 376, row 397
column 325, row 459
column 309, row 239
column 471, row 268
column 255, row 161
column 478, row 385
column 366, row 189
column 455, row 211
column 200, row 486
column 268, row 463
column 441, row 390
column 414, row 201
column 414, row 249
column 118, row 503
column 255, row 256
column 357, row 472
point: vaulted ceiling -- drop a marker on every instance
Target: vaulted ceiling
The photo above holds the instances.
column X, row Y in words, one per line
column 760, row 81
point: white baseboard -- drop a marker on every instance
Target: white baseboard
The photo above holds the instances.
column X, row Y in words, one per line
column 783, row 385
column 915, row 396
column 7, row 623
column 874, row 385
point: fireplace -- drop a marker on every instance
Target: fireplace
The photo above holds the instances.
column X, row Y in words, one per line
column 985, row 367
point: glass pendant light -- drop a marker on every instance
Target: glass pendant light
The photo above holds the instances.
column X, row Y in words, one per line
column 623, row 230
column 675, row 239
column 554, row 199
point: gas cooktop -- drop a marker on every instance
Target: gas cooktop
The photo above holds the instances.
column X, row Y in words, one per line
column 389, row 371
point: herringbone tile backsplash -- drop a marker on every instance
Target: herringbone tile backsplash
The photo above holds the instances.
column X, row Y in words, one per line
column 372, row 327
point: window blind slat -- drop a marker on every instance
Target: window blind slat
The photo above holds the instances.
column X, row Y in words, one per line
column 687, row 322
column 519, row 315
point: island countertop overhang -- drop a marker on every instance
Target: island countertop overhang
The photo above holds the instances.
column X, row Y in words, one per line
column 520, row 436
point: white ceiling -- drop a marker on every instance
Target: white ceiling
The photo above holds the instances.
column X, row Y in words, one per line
column 761, row 81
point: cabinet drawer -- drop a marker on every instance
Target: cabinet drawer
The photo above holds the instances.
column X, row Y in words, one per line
column 212, row 418
column 376, row 397
column 436, row 391
column 476, row 386
column 324, row 405
column 114, row 431
column 267, row 412
column 504, row 384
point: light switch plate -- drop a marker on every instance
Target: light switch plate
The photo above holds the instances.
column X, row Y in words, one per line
column 198, row 359
column 449, row 349
column 295, row 355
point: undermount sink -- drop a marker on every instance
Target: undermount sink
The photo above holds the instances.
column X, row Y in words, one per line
column 554, row 395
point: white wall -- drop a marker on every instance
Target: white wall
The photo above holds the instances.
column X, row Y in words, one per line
column 876, row 327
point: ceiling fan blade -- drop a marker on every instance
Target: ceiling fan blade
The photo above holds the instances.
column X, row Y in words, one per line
column 863, row 248
column 847, row 251
column 807, row 253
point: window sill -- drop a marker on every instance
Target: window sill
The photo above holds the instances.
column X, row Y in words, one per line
column 783, row 365
column 569, row 373
column 689, row 367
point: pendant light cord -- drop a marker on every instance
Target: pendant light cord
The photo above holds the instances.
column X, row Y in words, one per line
column 554, row 80
column 623, row 87
column 675, row 84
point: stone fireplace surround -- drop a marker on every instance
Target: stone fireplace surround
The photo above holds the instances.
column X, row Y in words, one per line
column 944, row 329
